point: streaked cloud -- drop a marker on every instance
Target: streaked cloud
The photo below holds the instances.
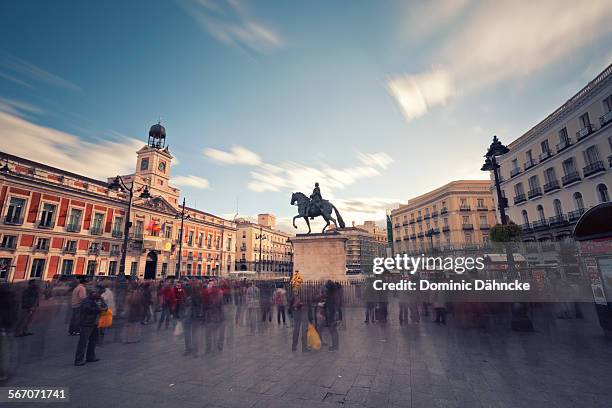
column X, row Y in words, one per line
column 191, row 181
column 97, row 159
column 496, row 41
column 295, row 176
column 417, row 94
column 25, row 73
column 236, row 155
column 18, row 108
column 230, row 22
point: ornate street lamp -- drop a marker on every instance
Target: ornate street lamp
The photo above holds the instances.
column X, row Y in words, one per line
column 496, row 149
column 260, row 237
column 119, row 185
column 182, row 216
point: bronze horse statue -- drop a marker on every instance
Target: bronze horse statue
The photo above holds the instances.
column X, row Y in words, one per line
column 323, row 210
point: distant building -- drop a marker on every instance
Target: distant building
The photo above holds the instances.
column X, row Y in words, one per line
column 54, row 222
column 379, row 233
column 260, row 247
column 561, row 167
column 361, row 249
column 455, row 215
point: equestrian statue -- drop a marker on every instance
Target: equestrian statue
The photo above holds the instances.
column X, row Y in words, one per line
column 315, row 206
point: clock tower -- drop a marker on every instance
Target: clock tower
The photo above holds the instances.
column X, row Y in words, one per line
column 153, row 166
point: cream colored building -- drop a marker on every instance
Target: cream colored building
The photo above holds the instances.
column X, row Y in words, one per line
column 561, row 167
column 455, row 215
column 378, row 233
column 261, row 247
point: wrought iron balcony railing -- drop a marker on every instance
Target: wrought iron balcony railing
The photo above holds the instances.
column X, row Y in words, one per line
column 534, row 192
column 605, row 119
column 96, row 230
column 557, row 220
column 564, row 144
column 545, row 155
column 515, row 172
column 519, row 198
column 575, row 215
column 570, row 178
column 584, row 132
column 593, row 168
column 74, row 227
column 552, row 185
column 529, row 163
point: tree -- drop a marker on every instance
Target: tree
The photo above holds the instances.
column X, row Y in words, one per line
column 505, row 233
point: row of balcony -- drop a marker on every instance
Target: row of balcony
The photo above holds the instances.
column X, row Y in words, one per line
column 558, row 220
column 570, row 178
column 564, row 144
column 94, row 230
column 436, row 231
column 66, row 250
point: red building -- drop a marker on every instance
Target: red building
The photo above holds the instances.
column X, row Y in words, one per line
column 58, row 222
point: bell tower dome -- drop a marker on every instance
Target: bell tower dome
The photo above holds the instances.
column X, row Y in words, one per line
column 153, row 165
column 157, row 136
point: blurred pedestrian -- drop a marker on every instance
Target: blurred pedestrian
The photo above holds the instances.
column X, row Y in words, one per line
column 29, row 303
column 298, row 308
column 135, row 312
column 252, row 304
column 280, row 301
column 8, row 318
column 90, row 310
column 79, row 293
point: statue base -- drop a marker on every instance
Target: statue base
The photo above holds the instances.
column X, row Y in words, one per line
column 320, row 256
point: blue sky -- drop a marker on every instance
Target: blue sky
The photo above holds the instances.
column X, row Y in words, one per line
column 378, row 101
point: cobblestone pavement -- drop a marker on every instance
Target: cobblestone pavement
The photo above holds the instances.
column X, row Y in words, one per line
column 565, row 363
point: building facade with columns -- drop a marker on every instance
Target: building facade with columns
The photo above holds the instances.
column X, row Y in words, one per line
column 562, row 166
column 260, row 247
column 55, row 222
column 456, row 215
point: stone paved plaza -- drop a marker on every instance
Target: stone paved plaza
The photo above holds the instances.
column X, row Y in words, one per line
column 565, row 363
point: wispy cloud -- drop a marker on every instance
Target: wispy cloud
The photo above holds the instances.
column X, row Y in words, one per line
column 497, row 41
column 237, row 155
column 18, row 108
column 97, row 159
column 416, row 94
column 191, row 181
column 294, row 176
column 24, row 73
column 230, row 22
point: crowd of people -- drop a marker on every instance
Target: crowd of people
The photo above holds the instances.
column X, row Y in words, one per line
column 198, row 310
column 205, row 311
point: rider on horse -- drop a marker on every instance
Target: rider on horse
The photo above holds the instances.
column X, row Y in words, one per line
column 315, row 199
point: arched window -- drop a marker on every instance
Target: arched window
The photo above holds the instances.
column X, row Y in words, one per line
column 541, row 213
column 558, row 208
column 602, row 193
column 578, row 201
column 525, row 217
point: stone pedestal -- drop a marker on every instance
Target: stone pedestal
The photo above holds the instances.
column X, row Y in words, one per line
column 320, row 256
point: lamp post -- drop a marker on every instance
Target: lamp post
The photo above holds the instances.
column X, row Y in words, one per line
column 183, row 217
column 260, row 237
column 119, row 185
column 430, row 233
column 496, row 149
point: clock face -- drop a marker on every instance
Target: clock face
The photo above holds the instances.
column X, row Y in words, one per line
column 162, row 166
